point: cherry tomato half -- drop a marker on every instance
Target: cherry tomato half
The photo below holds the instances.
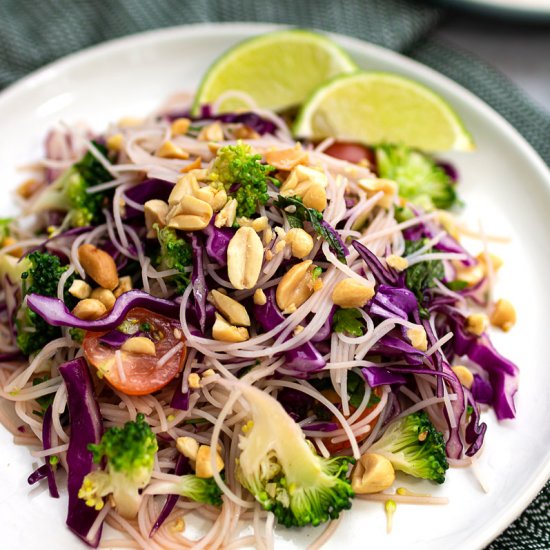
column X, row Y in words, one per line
column 336, row 447
column 142, row 374
column 352, row 152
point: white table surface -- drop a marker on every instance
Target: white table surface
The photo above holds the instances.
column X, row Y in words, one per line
column 518, row 49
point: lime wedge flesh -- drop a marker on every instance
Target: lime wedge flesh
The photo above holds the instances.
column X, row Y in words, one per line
column 373, row 108
column 278, row 70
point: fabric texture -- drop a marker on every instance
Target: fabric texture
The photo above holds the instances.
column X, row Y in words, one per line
column 35, row 33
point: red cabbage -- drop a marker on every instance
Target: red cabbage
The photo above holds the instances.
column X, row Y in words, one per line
column 295, row 403
column 145, row 191
column 392, row 346
column 86, row 428
column 182, row 467
column 217, row 241
column 55, row 312
column 46, row 470
column 475, row 431
column 321, row 427
column 325, row 331
column 381, row 274
column 74, row 232
column 482, row 391
column 115, row 338
column 250, row 119
column 503, row 374
column 180, row 400
column 304, row 359
column 378, row 376
column 389, row 302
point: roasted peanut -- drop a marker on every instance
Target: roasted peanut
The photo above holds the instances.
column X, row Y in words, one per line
column 89, row 309
column 191, row 214
column 203, row 464
column 495, row 261
column 477, row 323
column 295, row 287
column 180, row 126
column 417, row 336
column 244, row 258
column 124, row 285
column 351, row 293
column 155, row 213
column 464, row 375
column 286, row 159
column 188, row 447
column 197, row 163
column 99, row 265
column 503, row 315
column 301, row 242
column 309, row 184
column 374, row 185
column 80, row 289
column 225, row 332
column 234, row 312
column 211, row 132
column 194, row 381
column 226, row 216
column 115, row 142
column 397, row 262
column 139, row 344
column 470, row 274
column 373, row 473
column 259, row 297
column 106, row 297
column 170, row 150
column 186, row 185
column 28, row 188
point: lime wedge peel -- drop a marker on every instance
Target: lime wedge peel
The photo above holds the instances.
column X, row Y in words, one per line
column 278, row 70
column 376, row 107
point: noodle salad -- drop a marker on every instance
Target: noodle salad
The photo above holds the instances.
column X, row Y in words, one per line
column 203, row 318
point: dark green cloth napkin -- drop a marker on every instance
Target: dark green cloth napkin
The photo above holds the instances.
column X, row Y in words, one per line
column 33, row 33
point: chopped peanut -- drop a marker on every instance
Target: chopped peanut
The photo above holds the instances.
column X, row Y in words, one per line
column 464, row 375
column 397, row 262
column 503, row 315
column 89, row 309
column 418, row 338
column 203, row 465
column 476, row 323
column 194, row 381
column 115, row 142
column 372, row 473
column 169, row 150
column 80, row 289
column 180, row 126
column 139, row 344
column 259, row 297
column 188, row 447
column 351, row 293
column 211, row 132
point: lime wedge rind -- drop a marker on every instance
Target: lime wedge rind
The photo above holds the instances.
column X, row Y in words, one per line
column 373, row 107
column 257, row 67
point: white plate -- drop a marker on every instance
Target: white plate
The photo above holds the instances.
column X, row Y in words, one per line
column 530, row 9
column 504, row 183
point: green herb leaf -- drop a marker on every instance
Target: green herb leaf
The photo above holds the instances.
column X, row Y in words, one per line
column 419, row 277
column 315, row 218
column 349, row 321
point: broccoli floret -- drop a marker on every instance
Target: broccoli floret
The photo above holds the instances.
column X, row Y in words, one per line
column 130, row 454
column 175, row 253
column 236, row 166
column 69, row 192
column 42, row 277
column 283, row 471
column 189, row 486
column 414, row 446
column 419, row 178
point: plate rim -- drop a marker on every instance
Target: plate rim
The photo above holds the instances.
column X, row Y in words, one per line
column 245, row 29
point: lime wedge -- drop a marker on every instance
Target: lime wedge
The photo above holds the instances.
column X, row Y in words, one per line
column 278, row 70
column 373, row 108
